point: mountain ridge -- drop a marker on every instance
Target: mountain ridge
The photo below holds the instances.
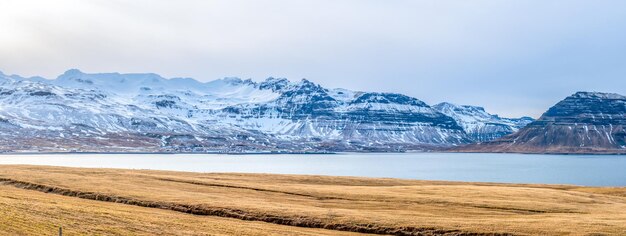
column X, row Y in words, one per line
column 78, row 111
column 479, row 124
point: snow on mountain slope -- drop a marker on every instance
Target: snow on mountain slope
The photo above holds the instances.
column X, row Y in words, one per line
column 367, row 120
column 480, row 125
column 146, row 112
column 66, row 118
column 585, row 122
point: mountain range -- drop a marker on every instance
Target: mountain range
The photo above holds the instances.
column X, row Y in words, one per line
column 112, row 112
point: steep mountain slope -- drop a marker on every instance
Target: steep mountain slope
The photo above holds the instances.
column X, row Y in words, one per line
column 305, row 111
column 586, row 122
column 480, row 125
column 145, row 112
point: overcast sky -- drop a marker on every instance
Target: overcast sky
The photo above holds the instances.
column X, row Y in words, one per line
column 512, row 57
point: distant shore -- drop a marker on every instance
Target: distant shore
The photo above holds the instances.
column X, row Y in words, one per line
column 143, row 153
column 317, row 152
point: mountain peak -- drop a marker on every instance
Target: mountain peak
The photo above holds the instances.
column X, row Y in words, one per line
column 274, row 84
column 273, row 79
column 305, row 83
column 596, row 105
column 389, row 98
column 448, row 105
column 71, row 72
column 598, row 95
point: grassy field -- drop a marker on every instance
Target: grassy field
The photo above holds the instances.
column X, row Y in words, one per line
column 35, row 200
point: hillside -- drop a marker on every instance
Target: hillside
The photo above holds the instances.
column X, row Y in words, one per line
column 585, row 122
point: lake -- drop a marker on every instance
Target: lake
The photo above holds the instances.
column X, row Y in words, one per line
column 591, row 170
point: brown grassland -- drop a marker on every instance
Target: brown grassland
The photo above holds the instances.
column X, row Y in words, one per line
column 36, row 200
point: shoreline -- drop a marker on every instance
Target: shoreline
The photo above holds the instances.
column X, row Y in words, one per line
column 169, row 153
column 518, row 184
column 317, row 153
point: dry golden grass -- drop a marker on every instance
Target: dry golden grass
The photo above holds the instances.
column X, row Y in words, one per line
column 25, row 212
column 348, row 203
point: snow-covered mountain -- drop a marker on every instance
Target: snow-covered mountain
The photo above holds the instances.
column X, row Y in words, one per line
column 145, row 112
column 585, row 122
column 480, row 125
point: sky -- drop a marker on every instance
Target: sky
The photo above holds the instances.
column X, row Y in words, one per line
column 512, row 57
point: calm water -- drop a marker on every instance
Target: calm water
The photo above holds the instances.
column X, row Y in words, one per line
column 508, row 168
